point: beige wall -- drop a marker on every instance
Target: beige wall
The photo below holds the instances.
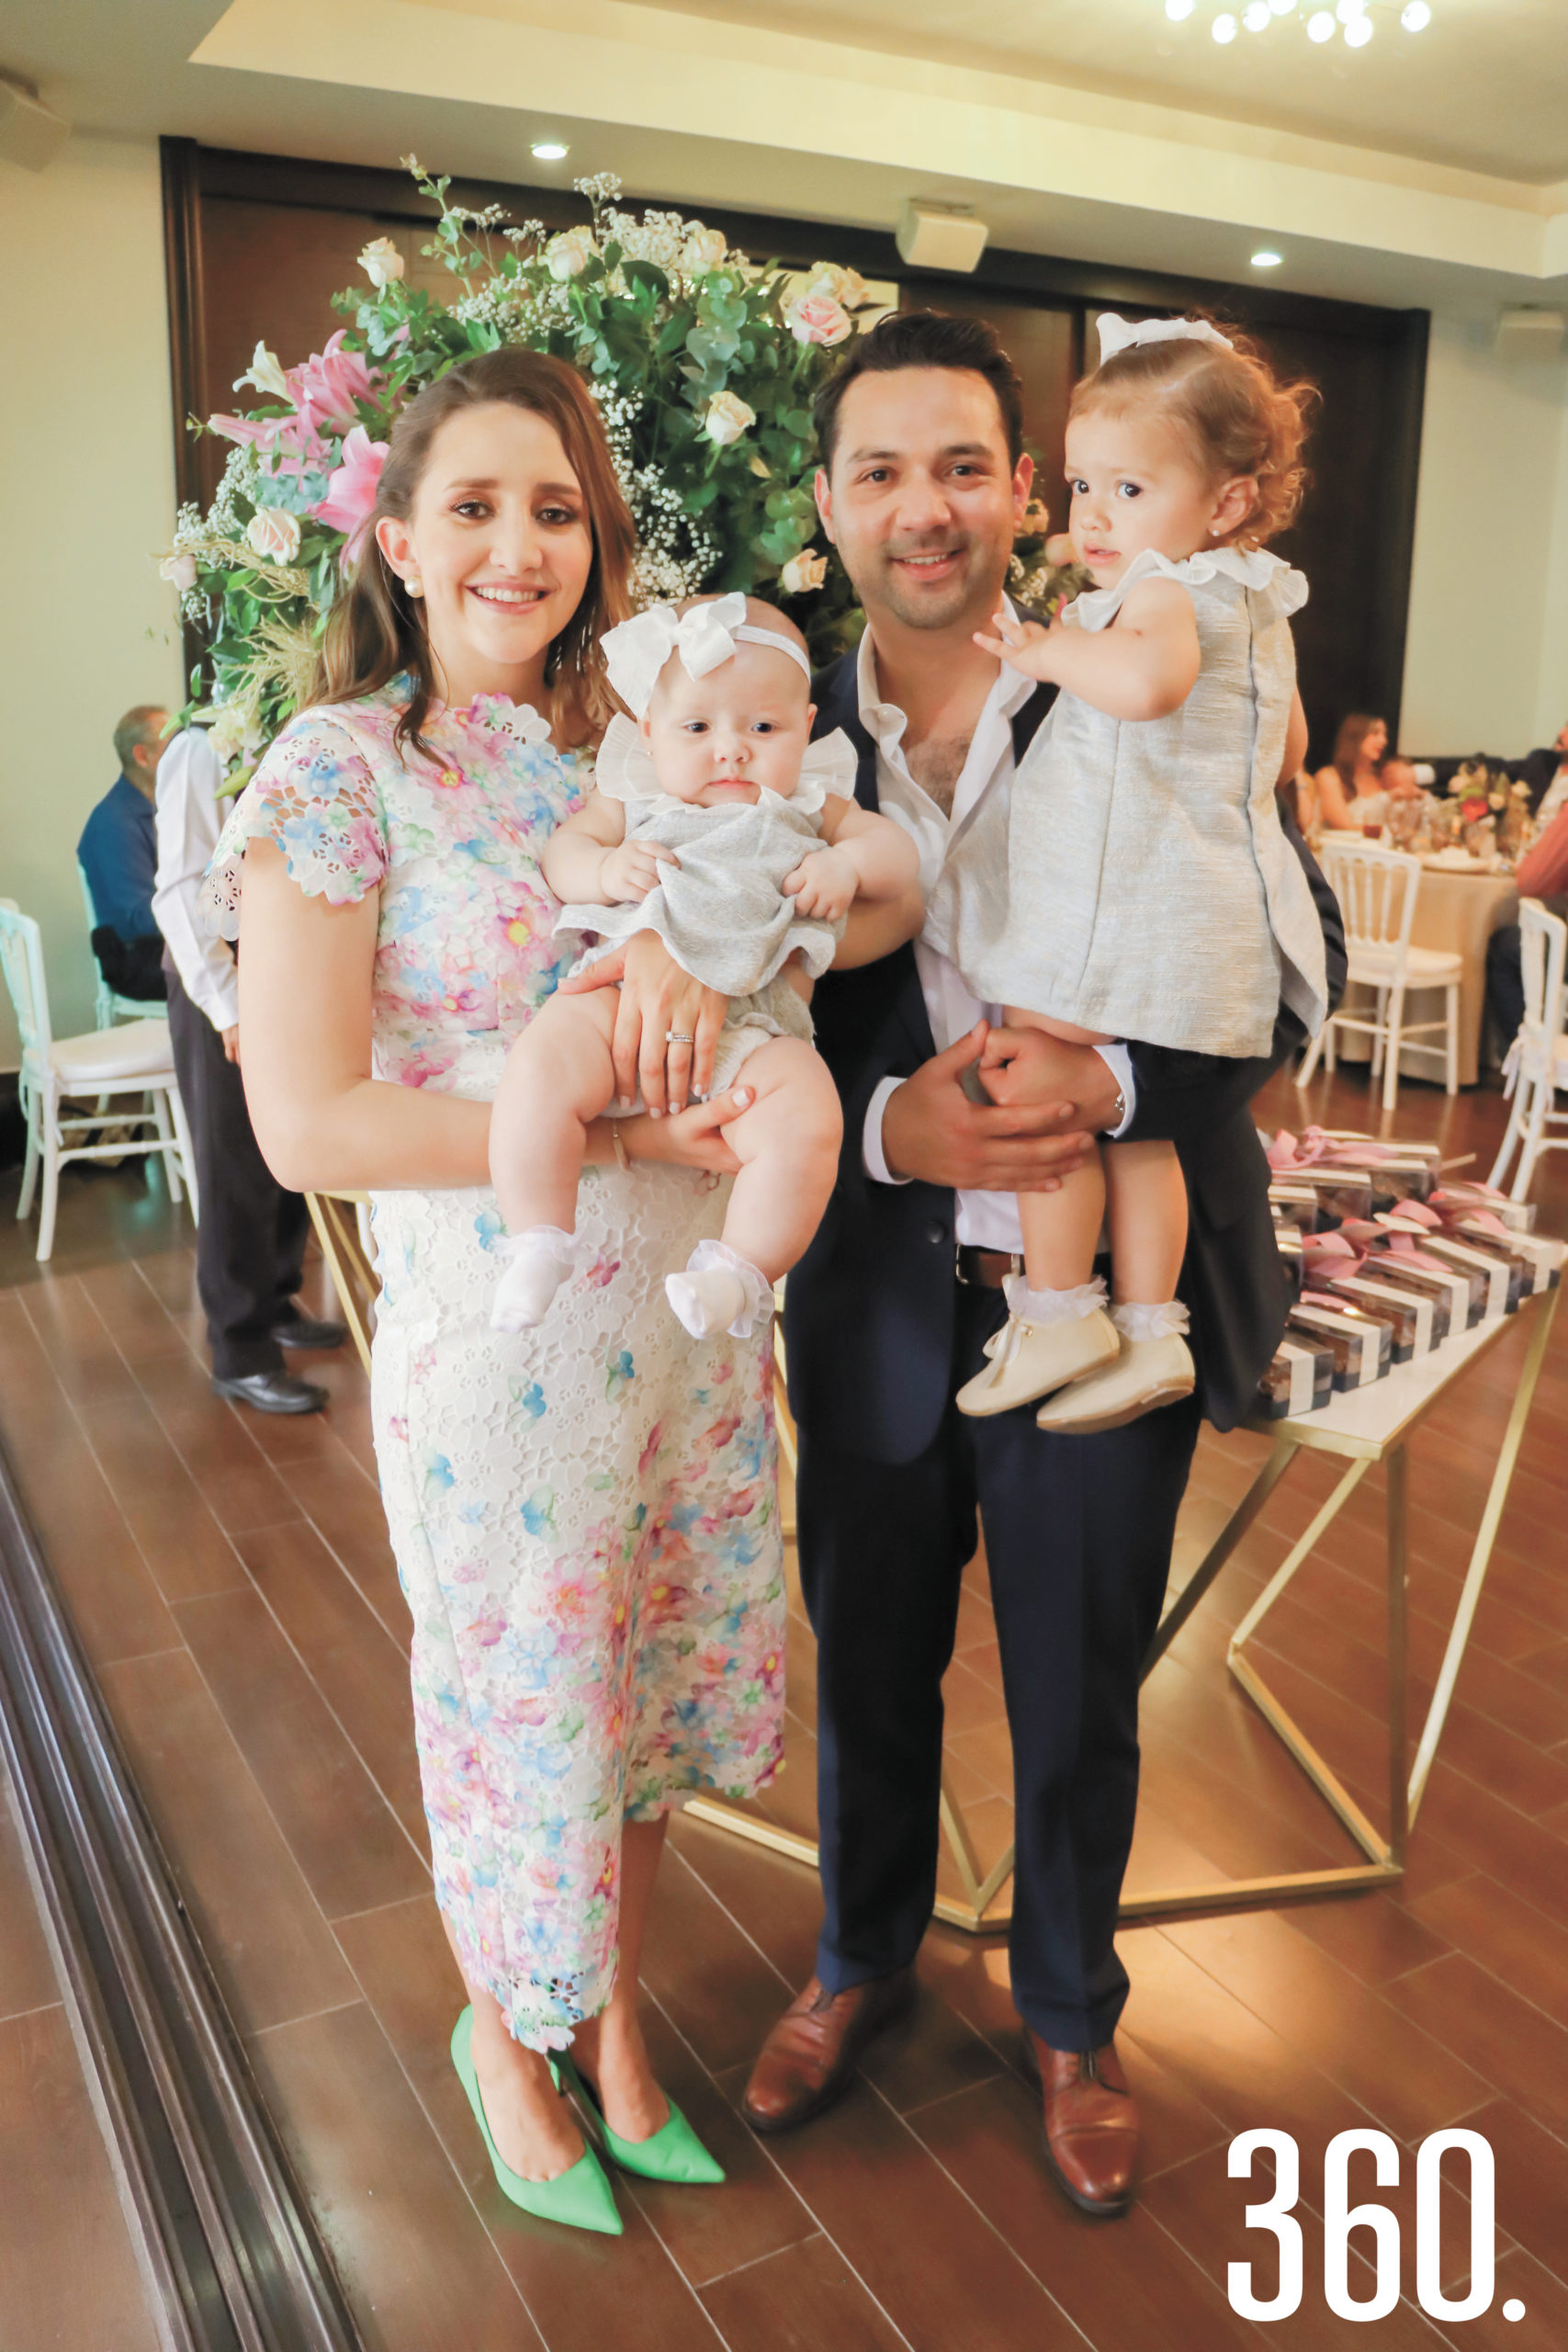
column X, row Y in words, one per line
column 87, row 494
column 1486, row 664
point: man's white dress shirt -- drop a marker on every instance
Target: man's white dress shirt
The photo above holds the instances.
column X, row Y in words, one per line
column 189, row 775
column 986, row 1220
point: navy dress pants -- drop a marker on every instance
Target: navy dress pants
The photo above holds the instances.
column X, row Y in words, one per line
column 1078, row 1539
column 249, row 1245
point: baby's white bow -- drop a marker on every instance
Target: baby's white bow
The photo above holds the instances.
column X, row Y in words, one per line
column 704, row 637
column 636, row 651
column 1122, row 335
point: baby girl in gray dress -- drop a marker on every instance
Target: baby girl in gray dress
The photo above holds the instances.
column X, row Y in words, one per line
column 718, row 824
column 1138, row 884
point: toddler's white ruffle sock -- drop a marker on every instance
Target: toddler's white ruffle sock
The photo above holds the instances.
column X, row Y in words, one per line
column 538, row 1261
column 1169, row 1320
column 720, row 1291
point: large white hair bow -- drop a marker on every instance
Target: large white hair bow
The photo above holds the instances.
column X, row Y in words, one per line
column 637, row 650
column 1122, row 335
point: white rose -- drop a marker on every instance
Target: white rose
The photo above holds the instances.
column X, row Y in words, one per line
column 273, row 534
column 227, row 733
column 727, row 419
column 568, row 255
column 803, row 574
column 179, row 571
column 845, row 286
column 705, row 249
column 265, row 374
column 382, row 262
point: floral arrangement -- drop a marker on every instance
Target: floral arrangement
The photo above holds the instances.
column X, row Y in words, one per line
column 702, row 364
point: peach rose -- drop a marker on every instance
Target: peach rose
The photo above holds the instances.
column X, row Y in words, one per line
column 727, row 418
column 273, row 534
column 818, row 318
column 382, row 262
column 179, row 571
column 803, row 574
column 568, row 255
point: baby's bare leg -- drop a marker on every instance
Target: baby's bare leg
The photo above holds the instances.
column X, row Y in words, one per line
column 1061, row 1230
column 787, row 1144
column 1147, row 1195
column 559, row 1078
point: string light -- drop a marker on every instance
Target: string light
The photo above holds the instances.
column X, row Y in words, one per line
column 1355, row 17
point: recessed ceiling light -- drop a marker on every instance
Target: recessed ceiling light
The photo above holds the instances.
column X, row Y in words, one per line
column 549, row 150
column 1265, row 259
column 1180, row 10
column 1321, row 27
column 1347, row 9
column 1416, row 16
column 1358, row 31
column 1257, row 15
column 1282, row 7
column 1224, row 28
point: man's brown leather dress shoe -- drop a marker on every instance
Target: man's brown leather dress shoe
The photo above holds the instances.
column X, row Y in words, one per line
column 807, row 2058
column 1091, row 2125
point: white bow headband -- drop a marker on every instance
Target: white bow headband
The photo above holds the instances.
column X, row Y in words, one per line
column 1117, row 334
column 637, row 651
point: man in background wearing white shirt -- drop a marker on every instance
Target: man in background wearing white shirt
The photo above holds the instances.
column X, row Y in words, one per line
column 250, row 1243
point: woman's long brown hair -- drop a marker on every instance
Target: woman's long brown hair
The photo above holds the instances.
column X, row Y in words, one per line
column 377, row 629
column 1353, row 732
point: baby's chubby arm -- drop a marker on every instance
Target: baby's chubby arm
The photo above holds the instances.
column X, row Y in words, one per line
column 1144, row 666
column 589, row 862
column 863, row 857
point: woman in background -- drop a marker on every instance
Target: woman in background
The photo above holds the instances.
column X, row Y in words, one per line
column 1354, row 775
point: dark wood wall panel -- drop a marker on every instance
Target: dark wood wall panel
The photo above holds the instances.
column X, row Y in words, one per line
column 257, row 243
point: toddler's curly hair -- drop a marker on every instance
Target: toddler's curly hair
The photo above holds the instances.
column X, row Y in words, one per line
column 1239, row 417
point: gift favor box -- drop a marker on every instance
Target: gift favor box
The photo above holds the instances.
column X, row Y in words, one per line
column 1299, row 1380
column 1540, row 1261
column 1472, row 1282
column 1411, row 1318
column 1295, row 1205
column 1456, row 1199
column 1362, row 1344
column 1446, row 1294
column 1503, row 1281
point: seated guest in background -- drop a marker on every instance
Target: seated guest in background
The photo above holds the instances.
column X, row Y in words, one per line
column 1546, row 773
column 119, row 853
column 250, row 1243
column 1542, row 874
column 1403, row 807
column 1354, row 773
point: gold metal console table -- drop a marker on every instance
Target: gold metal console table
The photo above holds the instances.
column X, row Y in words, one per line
column 1367, row 1426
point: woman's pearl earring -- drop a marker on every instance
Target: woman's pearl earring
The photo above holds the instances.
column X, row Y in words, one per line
column 415, row 587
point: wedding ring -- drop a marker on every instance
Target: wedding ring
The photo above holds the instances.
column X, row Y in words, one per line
column 677, row 1037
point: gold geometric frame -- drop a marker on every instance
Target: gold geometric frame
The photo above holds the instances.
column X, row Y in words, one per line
column 1370, row 1426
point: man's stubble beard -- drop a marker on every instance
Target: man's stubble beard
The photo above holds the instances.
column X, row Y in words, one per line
column 965, row 602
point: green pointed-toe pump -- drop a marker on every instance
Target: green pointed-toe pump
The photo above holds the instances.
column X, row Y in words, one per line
column 673, row 2152
column 581, row 2197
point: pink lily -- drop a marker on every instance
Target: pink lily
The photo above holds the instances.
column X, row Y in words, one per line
column 351, row 488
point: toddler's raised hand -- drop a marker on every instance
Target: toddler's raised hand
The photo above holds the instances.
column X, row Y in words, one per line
column 629, row 873
column 823, row 884
column 1023, row 645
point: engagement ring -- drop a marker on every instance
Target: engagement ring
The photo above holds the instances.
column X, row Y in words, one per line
column 677, row 1037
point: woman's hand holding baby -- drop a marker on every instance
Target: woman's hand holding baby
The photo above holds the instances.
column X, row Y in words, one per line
column 628, row 872
column 824, row 884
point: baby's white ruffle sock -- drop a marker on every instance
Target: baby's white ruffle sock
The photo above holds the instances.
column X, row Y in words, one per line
column 539, row 1260
column 1169, row 1320
column 720, row 1291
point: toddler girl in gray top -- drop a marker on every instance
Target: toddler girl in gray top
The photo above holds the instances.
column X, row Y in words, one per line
column 717, row 823
column 1140, row 884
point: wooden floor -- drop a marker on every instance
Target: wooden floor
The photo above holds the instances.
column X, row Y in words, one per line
column 232, row 1585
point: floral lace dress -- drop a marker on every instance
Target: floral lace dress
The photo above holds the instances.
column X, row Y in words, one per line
column 584, row 1517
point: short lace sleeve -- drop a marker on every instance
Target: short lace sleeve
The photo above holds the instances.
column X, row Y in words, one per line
column 316, row 796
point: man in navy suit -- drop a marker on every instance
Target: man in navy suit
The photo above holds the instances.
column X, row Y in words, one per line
column 922, row 489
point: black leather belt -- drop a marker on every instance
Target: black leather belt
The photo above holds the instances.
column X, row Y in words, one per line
column 982, row 1269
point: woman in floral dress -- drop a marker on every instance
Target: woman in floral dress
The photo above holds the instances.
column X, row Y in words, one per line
column 584, row 1518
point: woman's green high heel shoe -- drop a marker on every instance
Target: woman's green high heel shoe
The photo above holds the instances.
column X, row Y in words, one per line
column 673, row 2152
column 581, row 2197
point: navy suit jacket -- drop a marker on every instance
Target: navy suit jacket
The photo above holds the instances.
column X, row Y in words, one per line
column 869, row 1310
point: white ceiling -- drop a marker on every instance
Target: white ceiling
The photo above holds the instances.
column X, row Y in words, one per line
column 1483, row 90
